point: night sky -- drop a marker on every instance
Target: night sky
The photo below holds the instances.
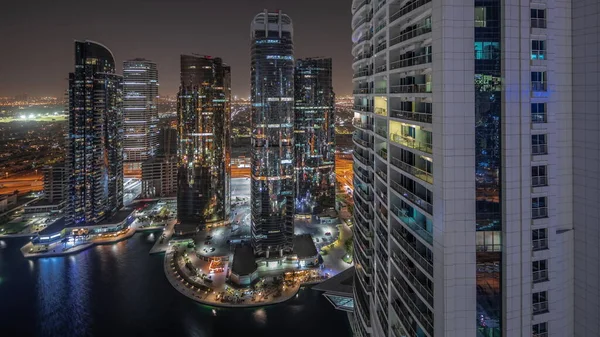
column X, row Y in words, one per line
column 36, row 37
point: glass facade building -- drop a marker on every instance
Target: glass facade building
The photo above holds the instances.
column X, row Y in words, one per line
column 272, row 167
column 140, row 112
column 204, row 140
column 95, row 136
column 314, row 135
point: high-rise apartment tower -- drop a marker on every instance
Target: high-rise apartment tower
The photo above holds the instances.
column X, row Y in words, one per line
column 95, row 136
column 314, row 132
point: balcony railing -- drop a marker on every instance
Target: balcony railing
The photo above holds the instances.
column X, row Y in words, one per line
column 381, row 111
column 539, row 244
column 427, row 207
column 383, row 153
column 412, row 224
column 364, row 19
column 410, row 88
column 383, row 195
column 361, row 159
column 411, row 143
column 539, row 212
column 411, row 61
column 362, row 73
column 539, row 181
column 422, row 117
column 409, row 274
column 412, row 251
column 363, row 108
column 408, row 8
column 380, row 5
column 410, row 34
column 364, row 195
column 425, row 320
column 362, row 56
column 538, row 22
column 539, row 149
column 405, row 317
column 362, row 142
column 382, row 175
column 381, row 47
column 540, row 307
column 381, row 131
column 539, row 86
column 540, row 276
column 361, row 176
column 381, row 90
column 380, row 27
column 417, row 172
column 364, row 126
column 362, row 91
column 365, row 37
column 380, row 68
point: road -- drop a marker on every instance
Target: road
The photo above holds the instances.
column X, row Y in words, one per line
column 24, row 182
column 344, row 172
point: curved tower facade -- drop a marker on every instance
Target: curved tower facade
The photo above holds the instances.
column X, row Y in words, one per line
column 204, row 140
column 272, row 95
column 95, row 141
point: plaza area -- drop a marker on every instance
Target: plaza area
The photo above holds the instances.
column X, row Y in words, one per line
column 199, row 264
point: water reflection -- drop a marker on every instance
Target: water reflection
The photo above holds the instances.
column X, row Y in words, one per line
column 260, row 316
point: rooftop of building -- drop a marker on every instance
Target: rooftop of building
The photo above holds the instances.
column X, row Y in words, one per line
column 244, row 262
column 340, row 284
column 118, row 217
column 304, row 246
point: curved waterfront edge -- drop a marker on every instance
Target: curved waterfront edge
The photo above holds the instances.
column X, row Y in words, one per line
column 189, row 293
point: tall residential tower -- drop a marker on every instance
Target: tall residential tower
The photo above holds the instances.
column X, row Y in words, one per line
column 272, row 96
column 95, row 136
column 140, row 113
column 463, row 166
column 204, row 140
column 314, row 103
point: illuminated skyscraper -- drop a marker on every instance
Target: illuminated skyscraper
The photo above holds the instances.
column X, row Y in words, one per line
column 95, row 140
column 204, row 140
column 314, row 135
column 463, row 168
column 140, row 112
column 272, row 95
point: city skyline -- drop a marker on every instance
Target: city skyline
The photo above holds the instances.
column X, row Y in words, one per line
column 183, row 32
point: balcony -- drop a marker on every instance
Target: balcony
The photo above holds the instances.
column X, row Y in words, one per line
column 381, row 47
column 407, row 9
column 383, row 152
column 539, row 86
column 361, row 176
column 381, row 112
column 421, row 174
column 364, row 195
column 380, row 26
column 361, row 5
column 410, row 88
column 412, row 224
column 362, row 56
column 411, row 61
column 404, row 36
column 365, row 126
column 362, row 142
column 381, row 90
column 411, row 143
column 381, row 175
column 404, row 316
column 410, row 297
column 381, row 132
column 362, row 108
column 381, row 68
column 364, row 19
column 359, row 157
column 362, row 73
column 424, row 205
column 408, row 273
column 539, row 244
column 363, row 38
column 412, row 251
column 362, row 91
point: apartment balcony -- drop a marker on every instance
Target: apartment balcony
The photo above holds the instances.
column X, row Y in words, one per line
column 404, row 316
column 362, row 21
column 381, row 68
column 412, row 251
column 360, row 158
column 407, row 295
column 380, row 6
column 408, row 273
column 412, row 224
column 360, row 5
column 380, row 26
column 361, row 125
column 405, row 36
column 397, row 331
column 381, row 175
column 363, row 209
column 410, row 89
column 384, row 197
column 363, row 178
column 362, row 108
column 382, row 238
column 539, row 86
column 362, row 56
column 416, row 172
column 415, row 199
column 362, row 143
column 407, row 9
column 381, row 47
column 411, row 143
column 362, row 73
column 382, row 132
column 411, row 61
column 381, row 90
column 362, row 91
column 365, row 37
column 381, row 112
column 364, row 195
